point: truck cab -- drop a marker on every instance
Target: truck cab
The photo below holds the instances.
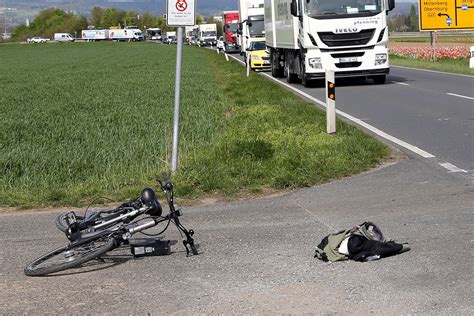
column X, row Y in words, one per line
column 231, row 26
column 251, row 25
column 207, row 34
column 348, row 36
column 153, row 34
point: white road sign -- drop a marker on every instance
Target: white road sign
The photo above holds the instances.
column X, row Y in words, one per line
column 180, row 12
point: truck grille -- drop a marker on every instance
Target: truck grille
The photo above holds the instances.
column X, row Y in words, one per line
column 342, row 55
column 336, row 40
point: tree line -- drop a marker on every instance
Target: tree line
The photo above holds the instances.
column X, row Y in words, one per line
column 404, row 23
column 54, row 20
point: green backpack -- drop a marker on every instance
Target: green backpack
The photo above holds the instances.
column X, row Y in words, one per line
column 327, row 250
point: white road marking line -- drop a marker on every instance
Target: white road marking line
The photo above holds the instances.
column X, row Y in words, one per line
column 460, row 96
column 402, row 83
column 369, row 127
column 451, row 167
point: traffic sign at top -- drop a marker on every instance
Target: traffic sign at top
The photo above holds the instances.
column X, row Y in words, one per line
column 180, row 12
column 446, row 15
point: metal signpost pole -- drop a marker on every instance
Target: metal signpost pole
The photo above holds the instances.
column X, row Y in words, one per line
column 177, row 91
column 179, row 13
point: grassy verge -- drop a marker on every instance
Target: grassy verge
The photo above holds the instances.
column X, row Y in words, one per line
column 89, row 119
column 462, row 39
column 457, row 66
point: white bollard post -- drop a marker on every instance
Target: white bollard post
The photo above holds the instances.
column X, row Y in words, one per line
column 218, row 51
column 330, row 102
column 226, row 57
column 471, row 60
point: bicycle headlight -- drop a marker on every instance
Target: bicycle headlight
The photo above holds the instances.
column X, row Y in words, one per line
column 155, row 209
column 148, row 197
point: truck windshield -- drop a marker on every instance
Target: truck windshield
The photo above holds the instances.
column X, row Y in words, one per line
column 256, row 26
column 342, row 8
column 209, row 34
column 233, row 27
column 258, row 46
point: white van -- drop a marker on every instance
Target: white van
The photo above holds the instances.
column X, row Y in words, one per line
column 63, row 37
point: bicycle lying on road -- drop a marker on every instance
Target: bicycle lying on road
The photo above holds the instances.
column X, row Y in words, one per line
column 91, row 236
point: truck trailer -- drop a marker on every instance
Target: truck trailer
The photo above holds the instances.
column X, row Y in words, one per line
column 207, row 34
column 231, row 26
column 251, row 25
column 95, row 35
column 307, row 37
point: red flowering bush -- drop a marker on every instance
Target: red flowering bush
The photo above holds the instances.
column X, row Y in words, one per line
column 426, row 53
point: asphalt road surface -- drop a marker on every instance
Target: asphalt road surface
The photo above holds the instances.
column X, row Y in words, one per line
column 430, row 110
column 257, row 256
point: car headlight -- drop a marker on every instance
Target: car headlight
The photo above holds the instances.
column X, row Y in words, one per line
column 380, row 59
column 315, row 63
column 253, row 57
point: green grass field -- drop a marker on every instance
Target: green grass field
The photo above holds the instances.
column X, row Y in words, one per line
column 457, row 66
column 85, row 120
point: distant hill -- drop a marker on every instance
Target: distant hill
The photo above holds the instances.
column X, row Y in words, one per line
column 204, row 7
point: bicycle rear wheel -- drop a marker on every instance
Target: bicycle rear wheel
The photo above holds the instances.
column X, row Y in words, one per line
column 69, row 256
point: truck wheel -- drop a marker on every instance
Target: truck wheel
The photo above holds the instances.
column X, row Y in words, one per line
column 304, row 79
column 290, row 78
column 277, row 72
column 305, row 82
column 380, row 79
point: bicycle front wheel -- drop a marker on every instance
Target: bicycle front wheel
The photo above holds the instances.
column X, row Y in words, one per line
column 61, row 223
column 69, row 256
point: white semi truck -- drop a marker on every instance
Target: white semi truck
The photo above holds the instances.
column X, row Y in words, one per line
column 207, row 34
column 251, row 25
column 305, row 37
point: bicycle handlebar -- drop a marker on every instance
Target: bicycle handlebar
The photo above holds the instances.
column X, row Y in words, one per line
column 168, row 184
